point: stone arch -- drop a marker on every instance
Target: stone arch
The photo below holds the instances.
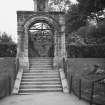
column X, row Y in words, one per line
column 48, row 19
column 38, row 18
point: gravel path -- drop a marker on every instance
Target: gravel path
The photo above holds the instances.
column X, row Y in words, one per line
column 43, row 99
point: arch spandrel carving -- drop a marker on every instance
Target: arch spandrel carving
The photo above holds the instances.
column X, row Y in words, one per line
column 47, row 19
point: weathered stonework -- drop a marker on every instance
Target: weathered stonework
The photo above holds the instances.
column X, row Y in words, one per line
column 55, row 19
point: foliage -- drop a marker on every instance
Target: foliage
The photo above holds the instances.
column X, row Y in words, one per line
column 8, row 73
column 5, row 38
column 8, row 50
column 59, row 5
column 90, row 51
column 74, row 19
column 93, row 34
column 79, row 13
column 89, row 6
column 88, row 33
column 74, row 39
column 101, row 29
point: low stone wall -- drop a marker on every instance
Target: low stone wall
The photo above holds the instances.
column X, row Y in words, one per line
column 7, row 76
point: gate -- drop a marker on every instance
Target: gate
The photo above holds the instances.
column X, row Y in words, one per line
column 41, row 40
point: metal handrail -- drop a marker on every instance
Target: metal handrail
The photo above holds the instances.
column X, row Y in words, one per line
column 92, row 88
column 80, row 87
column 65, row 67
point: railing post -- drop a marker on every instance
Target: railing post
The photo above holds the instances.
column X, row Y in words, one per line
column 92, row 93
column 9, row 85
column 70, row 89
column 80, row 89
column 64, row 67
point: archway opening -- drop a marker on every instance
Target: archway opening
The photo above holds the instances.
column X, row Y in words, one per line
column 41, row 40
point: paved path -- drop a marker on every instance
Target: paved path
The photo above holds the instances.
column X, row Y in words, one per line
column 42, row 99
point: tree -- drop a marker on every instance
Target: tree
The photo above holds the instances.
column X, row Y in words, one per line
column 89, row 6
column 74, row 20
column 78, row 14
column 59, row 5
column 5, row 38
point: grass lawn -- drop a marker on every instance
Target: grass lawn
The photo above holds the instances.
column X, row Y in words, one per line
column 83, row 68
column 7, row 75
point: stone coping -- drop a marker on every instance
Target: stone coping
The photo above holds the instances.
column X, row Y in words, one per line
column 32, row 12
column 17, row 82
column 64, row 81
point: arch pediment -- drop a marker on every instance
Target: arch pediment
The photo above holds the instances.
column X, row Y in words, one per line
column 42, row 18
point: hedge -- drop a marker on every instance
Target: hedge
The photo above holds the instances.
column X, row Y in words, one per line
column 88, row 51
column 8, row 50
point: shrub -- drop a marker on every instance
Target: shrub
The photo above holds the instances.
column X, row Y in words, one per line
column 8, row 50
column 89, row 51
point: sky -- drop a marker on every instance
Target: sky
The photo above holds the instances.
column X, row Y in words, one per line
column 8, row 17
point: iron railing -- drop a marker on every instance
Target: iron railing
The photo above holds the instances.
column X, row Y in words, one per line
column 95, row 87
column 65, row 66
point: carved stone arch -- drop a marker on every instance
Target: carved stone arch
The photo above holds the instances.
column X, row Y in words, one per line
column 25, row 19
column 39, row 18
column 48, row 19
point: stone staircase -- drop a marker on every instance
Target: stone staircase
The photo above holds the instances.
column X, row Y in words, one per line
column 40, row 77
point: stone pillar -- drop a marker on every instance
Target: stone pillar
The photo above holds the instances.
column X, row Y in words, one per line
column 41, row 5
column 56, row 58
column 25, row 54
column 22, row 51
column 46, row 6
column 35, row 5
column 62, row 41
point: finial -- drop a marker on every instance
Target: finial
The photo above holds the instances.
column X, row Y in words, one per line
column 40, row 5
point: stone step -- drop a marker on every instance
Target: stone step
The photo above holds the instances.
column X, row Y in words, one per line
column 43, row 68
column 40, row 90
column 41, row 79
column 41, row 64
column 46, row 63
column 40, row 82
column 40, row 60
column 40, row 86
column 40, row 75
column 43, row 73
column 32, row 77
column 35, row 62
column 30, row 93
column 40, row 71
